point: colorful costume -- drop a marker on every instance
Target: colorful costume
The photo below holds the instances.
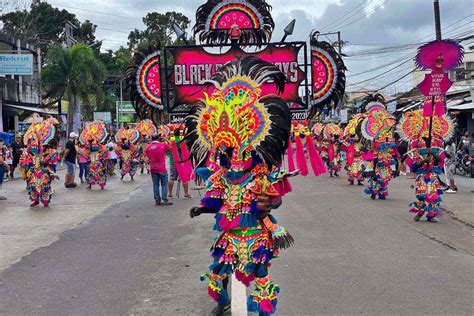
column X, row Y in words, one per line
column 241, row 139
column 147, row 129
column 93, row 138
column 353, row 146
column 381, row 160
column 37, row 162
column 332, row 145
column 426, row 162
column 127, row 150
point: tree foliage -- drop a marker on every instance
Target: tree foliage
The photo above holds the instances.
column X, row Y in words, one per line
column 159, row 29
column 43, row 25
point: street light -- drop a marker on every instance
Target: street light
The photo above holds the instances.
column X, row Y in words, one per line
column 180, row 34
column 289, row 30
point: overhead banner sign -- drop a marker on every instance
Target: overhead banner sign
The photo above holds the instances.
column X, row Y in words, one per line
column 194, row 65
column 16, row 64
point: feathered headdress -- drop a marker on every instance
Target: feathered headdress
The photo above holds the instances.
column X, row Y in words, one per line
column 95, row 133
column 328, row 75
column 143, row 78
column 245, row 21
column 131, row 135
column 146, row 127
column 414, row 126
column 353, row 127
column 379, row 124
column 236, row 120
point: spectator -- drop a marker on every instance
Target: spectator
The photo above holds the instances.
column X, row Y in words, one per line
column 70, row 154
column 9, row 161
column 84, row 161
column 17, row 147
column 449, row 167
column 3, row 167
column 156, row 152
column 112, row 156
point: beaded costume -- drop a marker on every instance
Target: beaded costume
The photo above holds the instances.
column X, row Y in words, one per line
column 354, row 148
column 241, row 139
column 127, row 150
column 37, row 162
column 93, row 138
column 147, row 129
column 332, row 146
column 381, row 161
column 427, row 163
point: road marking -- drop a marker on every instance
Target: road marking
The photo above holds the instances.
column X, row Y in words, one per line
column 239, row 298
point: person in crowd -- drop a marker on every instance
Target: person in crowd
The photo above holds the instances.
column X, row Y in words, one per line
column 17, row 148
column 156, row 153
column 174, row 177
column 9, row 161
column 449, row 167
column 112, row 161
column 3, row 167
column 83, row 159
column 70, row 155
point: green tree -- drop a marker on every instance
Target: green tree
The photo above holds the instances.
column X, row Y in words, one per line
column 75, row 73
column 159, row 28
column 43, row 25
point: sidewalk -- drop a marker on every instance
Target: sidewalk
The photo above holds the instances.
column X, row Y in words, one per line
column 23, row 228
column 461, row 204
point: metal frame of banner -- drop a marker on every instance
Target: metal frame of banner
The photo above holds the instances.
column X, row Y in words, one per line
column 169, row 87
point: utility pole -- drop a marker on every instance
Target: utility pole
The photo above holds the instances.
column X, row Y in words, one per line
column 437, row 20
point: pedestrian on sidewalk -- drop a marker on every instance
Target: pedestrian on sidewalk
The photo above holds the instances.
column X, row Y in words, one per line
column 17, row 147
column 3, row 167
column 70, row 155
column 112, row 157
column 156, row 152
column 450, row 166
column 9, row 161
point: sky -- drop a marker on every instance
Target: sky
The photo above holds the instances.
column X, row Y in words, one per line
column 367, row 26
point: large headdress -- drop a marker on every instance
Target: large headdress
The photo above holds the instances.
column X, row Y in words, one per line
column 131, row 135
column 244, row 21
column 331, row 130
column 94, row 133
column 40, row 133
column 236, row 120
column 143, row 79
column 379, row 124
column 414, row 126
column 328, row 75
column 353, row 127
column 146, row 127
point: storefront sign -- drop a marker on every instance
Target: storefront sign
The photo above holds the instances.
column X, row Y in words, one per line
column 16, row 64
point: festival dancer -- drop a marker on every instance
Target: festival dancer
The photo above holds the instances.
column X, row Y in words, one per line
column 146, row 128
column 127, row 151
column 92, row 139
column 37, row 163
column 353, row 146
column 426, row 159
column 381, row 161
column 332, row 145
column 241, row 138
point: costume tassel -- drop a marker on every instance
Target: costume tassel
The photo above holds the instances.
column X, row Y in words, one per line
column 316, row 162
column 291, row 157
column 300, row 157
column 439, row 107
column 427, row 108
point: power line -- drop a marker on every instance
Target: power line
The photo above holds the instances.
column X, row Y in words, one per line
column 353, row 11
column 364, row 16
column 97, row 12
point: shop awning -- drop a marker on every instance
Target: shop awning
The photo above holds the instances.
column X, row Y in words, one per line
column 31, row 108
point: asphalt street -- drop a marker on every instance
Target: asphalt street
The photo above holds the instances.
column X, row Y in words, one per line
column 352, row 256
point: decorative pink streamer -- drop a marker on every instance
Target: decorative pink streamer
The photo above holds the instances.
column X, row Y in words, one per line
column 177, row 161
column 291, row 157
column 350, row 154
column 317, row 163
column 300, row 157
column 186, row 163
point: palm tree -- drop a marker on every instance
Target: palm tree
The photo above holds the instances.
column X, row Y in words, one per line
column 74, row 73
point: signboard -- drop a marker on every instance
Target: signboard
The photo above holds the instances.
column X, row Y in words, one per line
column 16, row 64
column 125, row 118
column 106, row 117
column 344, row 116
column 177, row 118
column 299, row 115
column 194, row 65
column 126, row 107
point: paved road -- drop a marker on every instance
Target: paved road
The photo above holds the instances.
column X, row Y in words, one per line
column 352, row 256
